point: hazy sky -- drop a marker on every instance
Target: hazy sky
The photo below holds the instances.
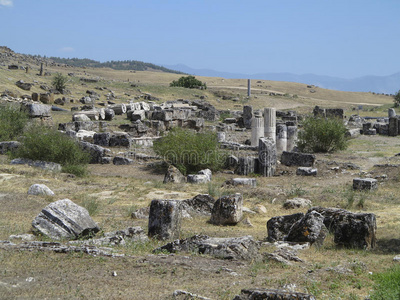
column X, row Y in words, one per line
column 345, row 38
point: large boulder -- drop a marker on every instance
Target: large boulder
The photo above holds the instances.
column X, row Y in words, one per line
column 165, row 219
column 270, row 294
column 279, row 227
column 64, row 219
column 24, row 85
column 352, row 230
column 240, row 248
column 227, row 210
column 309, row 229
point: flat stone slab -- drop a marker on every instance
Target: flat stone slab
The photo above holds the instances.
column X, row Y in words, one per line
column 242, row 248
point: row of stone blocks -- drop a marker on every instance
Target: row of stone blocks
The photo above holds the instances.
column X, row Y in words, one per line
column 165, row 215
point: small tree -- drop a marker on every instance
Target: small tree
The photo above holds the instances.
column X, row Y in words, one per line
column 396, row 99
column 60, row 82
column 188, row 82
column 322, row 135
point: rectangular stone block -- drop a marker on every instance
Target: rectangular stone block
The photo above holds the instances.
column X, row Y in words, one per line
column 297, row 159
column 365, row 184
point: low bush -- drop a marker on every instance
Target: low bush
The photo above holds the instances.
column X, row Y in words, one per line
column 322, row 135
column 12, row 122
column 188, row 82
column 190, row 151
column 47, row 144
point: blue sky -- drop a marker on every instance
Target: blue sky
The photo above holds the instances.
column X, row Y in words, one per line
column 344, row 38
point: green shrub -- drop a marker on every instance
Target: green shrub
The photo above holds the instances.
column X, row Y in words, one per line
column 188, row 82
column 387, row 285
column 12, row 122
column 47, row 144
column 190, row 151
column 322, row 135
column 396, row 99
column 60, row 82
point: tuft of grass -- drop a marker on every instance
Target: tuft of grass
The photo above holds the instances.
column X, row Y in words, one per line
column 295, row 191
column 387, row 285
column 92, row 205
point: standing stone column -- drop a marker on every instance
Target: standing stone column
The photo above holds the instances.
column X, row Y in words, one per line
column 291, row 138
column 267, row 156
column 270, row 123
column 165, row 219
column 247, row 116
column 257, row 130
column 281, row 138
column 391, row 113
column 393, row 126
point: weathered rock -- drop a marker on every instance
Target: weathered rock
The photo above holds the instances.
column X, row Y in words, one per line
column 350, row 229
column 80, row 118
column 393, row 126
column 269, row 294
column 24, row 85
column 365, row 184
column 239, row 248
column 187, row 295
column 242, row 181
column 296, row 203
column 200, row 205
column 310, row 229
column 119, row 237
column 202, row 176
column 9, row 146
column 227, row 210
column 102, row 139
column 141, row 213
column 165, row 219
column 120, row 139
column 306, row 171
column 297, row 159
column 118, row 109
column 174, row 175
column 278, row 227
column 120, row 160
column 96, row 152
column 284, row 255
column 40, row 189
column 35, row 110
column 45, row 165
column 46, row 98
column 64, row 219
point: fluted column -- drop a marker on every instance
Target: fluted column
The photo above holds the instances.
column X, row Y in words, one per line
column 270, row 123
column 257, row 130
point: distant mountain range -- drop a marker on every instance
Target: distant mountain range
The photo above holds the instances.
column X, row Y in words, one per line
column 379, row 84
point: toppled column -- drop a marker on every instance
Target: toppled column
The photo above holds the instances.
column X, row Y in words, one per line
column 281, row 138
column 291, row 138
column 270, row 123
column 267, row 156
column 257, row 130
column 247, row 116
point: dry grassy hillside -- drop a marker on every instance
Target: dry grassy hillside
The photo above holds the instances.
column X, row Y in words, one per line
column 111, row 193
